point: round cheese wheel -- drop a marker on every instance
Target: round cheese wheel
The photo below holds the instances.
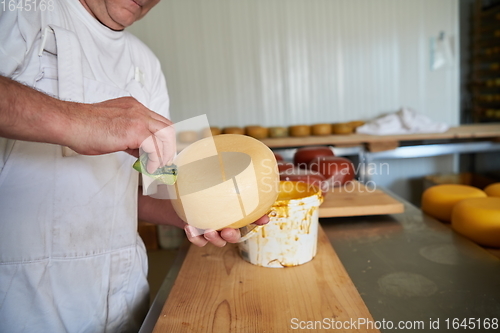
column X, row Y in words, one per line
column 257, row 132
column 290, row 190
column 336, row 170
column 493, row 190
column 342, row 128
column 438, row 201
column 284, row 166
column 278, row 157
column 356, row 123
column 478, row 219
column 321, row 129
column 305, row 176
column 215, row 131
column 233, row 130
column 211, row 131
column 187, row 136
column 228, row 180
column 303, row 156
column 300, row 130
column 278, row 132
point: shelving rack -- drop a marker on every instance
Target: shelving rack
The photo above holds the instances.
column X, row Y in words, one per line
column 485, row 65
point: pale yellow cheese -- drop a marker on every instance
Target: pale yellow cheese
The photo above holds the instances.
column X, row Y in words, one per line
column 227, row 180
column 493, row 190
column 438, row 201
column 479, row 220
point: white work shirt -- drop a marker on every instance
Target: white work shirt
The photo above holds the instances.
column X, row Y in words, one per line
column 70, row 256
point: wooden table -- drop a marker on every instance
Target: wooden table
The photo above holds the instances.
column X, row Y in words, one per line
column 406, row 269
column 217, row 291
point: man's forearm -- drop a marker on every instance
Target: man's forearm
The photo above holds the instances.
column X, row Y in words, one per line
column 28, row 114
column 157, row 211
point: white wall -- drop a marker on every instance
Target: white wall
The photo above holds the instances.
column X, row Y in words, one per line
column 284, row 62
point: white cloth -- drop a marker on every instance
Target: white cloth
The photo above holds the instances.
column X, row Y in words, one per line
column 70, row 256
column 405, row 121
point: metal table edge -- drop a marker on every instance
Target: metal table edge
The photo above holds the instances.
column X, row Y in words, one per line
column 164, row 291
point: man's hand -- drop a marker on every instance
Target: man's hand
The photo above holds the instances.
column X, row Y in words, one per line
column 121, row 124
column 218, row 238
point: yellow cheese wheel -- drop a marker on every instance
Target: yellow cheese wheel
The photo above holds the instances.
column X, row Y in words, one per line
column 493, row 190
column 233, row 130
column 438, row 201
column 479, row 220
column 300, row 130
column 187, row 136
column 228, row 180
column 211, row 131
column 342, row 128
column 215, row 131
column 356, row 123
column 257, row 132
column 278, row 132
column 321, row 129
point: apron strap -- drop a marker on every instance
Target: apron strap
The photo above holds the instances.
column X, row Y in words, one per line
column 66, row 46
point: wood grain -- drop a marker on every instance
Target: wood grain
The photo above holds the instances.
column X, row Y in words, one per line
column 217, row 291
column 355, row 199
column 374, row 147
column 461, row 132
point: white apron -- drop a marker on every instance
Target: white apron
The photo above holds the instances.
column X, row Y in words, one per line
column 70, row 256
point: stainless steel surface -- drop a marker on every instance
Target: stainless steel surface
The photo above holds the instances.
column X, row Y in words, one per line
column 367, row 159
column 410, row 267
column 407, row 267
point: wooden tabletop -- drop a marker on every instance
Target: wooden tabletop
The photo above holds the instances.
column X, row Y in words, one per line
column 459, row 132
column 356, row 199
column 217, row 291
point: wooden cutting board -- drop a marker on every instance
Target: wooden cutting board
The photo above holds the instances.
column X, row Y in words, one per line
column 217, row 291
column 355, row 199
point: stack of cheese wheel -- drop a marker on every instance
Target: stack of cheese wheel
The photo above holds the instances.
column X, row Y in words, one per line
column 306, row 176
column 303, row 156
column 471, row 212
column 278, row 157
column 336, row 170
column 284, row 166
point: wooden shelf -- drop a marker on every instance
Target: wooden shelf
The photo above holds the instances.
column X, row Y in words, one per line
column 459, row 132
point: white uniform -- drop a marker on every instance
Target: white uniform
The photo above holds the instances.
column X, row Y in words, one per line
column 70, row 256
